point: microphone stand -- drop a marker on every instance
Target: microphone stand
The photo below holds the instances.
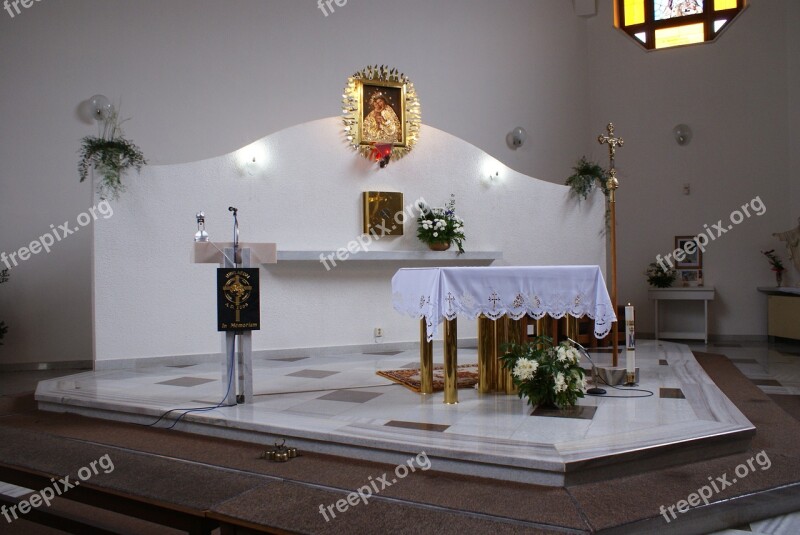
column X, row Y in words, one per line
column 239, row 397
column 235, row 234
column 595, row 390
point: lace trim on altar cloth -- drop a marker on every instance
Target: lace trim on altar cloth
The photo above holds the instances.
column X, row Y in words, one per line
column 467, row 305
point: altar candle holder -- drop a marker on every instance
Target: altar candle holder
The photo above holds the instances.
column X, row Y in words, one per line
column 630, row 346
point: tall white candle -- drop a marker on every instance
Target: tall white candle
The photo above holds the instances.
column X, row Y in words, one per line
column 630, row 340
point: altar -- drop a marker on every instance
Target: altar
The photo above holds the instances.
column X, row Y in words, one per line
column 498, row 297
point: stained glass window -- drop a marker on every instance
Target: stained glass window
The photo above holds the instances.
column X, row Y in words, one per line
column 669, row 9
column 634, row 12
column 656, row 24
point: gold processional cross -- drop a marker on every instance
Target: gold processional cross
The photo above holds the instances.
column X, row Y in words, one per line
column 613, row 143
column 612, row 183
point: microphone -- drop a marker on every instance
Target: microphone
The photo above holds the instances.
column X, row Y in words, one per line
column 236, row 257
column 595, row 390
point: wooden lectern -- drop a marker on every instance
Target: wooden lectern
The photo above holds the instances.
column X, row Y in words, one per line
column 248, row 255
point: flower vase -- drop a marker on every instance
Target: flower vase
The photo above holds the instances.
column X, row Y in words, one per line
column 439, row 246
column 779, row 278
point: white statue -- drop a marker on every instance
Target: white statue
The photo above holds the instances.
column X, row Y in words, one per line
column 792, row 239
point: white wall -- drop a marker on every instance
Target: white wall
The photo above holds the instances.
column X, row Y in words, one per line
column 793, row 111
column 201, row 78
column 735, row 95
column 150, row 301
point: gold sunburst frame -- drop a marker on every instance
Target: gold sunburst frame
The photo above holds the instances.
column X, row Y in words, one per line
column 399, row 89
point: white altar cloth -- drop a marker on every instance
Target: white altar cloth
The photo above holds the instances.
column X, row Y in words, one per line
column 446, row 292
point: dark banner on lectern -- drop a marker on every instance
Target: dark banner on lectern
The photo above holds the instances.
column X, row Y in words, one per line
column 238, row 307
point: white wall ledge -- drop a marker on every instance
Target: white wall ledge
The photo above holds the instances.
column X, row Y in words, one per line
column 377, row 256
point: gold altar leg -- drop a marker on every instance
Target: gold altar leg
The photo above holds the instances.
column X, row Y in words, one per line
column 515, row 335
column 501, row 337
column 486, row 343
column 494, row 356
column 544, row 327
column 450, row 362
column 425, row 359
column 572, row 327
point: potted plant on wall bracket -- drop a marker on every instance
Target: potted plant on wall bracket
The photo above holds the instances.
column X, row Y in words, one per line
column 110, row 154
column 588, row 175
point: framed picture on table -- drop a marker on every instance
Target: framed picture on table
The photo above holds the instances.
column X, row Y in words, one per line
column 687, row 254
column 690, row 277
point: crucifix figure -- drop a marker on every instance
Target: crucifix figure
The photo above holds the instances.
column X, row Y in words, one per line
column 613, row 143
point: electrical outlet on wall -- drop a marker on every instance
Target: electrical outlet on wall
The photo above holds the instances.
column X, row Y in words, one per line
column 378, row 332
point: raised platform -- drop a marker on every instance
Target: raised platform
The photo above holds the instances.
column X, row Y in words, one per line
column 337, row 405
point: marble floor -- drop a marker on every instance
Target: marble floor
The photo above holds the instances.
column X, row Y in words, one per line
column 775, row 369
column 308, row 389
column 338, row 405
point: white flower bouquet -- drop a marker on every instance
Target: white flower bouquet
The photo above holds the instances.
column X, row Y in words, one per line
column 547, row 375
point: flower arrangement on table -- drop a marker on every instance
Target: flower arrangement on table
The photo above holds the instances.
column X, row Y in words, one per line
column 547, row 375
column 776, row 263
column 659, row 277
column 440, row 227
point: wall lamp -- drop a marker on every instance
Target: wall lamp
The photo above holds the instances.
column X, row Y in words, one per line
column 516, row 137
column 682, row 134
column 100, row 107
column 491, row 178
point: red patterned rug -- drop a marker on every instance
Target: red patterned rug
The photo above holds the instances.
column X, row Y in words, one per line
column 467, row 377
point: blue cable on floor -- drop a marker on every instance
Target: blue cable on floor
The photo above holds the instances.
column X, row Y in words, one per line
column 203, row 409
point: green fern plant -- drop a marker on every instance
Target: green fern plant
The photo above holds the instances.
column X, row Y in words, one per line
column 587, row 176
column 111, row 155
